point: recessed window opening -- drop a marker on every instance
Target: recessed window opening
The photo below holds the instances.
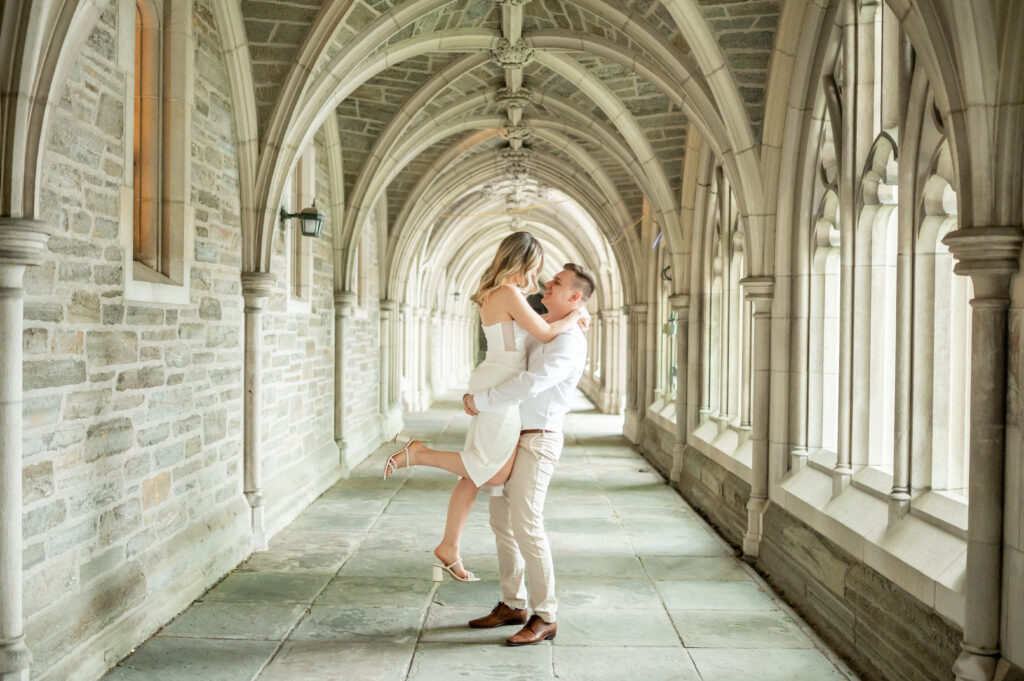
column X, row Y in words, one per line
column 148, row 221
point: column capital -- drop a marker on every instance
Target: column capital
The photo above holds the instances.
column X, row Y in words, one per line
column 680, row 302
column 23, row 240
column 344, row 303
column 257, row 286
column 638, row 308
column 758, row 288
column 989, row 255
column 388, row 304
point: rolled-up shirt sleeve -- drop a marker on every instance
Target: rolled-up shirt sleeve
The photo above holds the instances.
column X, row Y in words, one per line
column 559, row 359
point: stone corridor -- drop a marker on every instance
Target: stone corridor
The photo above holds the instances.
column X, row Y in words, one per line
column 647, row 590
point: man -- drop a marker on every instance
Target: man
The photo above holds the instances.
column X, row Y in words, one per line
column 543, row 392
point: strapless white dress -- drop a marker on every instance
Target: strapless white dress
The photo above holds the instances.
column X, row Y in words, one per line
column 493, row 435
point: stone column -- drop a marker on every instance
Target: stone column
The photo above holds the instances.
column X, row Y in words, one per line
column 989, row 256
column 387, row 310
column 637, row 370
column 423, row 348
column 256, row 288
column 22, row 241
column 344, row 304
column 681, row 305
column 758, row 291
column 746, row 349
column 397, row 359
column 408, row 397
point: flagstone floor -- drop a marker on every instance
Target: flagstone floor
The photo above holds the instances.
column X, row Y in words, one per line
column 647, row 591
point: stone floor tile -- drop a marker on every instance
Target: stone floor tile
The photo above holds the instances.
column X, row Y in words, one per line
column 388, row 564
column 621, row 567
column 450, row 624
column 602, row 592
column 243, row 620
column 678, row 545
column 188, row 659
column 738, row 629
column 334, row 660
column 471, row 661
column 639, row 628
column 395, row 592
column 268, row 586
column 314, row 559
column 590, row 663
column 483, row 594
column 695, row 568
column 696, row 595
column 359, row 624
column 344, row 522
column 729, row 664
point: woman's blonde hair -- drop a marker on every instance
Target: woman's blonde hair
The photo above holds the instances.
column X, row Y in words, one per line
column 518, row 253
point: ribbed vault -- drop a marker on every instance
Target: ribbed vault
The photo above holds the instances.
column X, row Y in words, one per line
column 482, row 109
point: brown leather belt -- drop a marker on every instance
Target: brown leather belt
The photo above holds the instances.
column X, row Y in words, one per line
column 529, row 431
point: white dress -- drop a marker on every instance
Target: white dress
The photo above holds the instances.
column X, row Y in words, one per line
column 493, row 435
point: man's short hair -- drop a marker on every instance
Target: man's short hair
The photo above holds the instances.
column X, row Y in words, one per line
column 585, row 282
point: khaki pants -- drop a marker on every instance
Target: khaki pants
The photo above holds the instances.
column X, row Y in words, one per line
column 517, row 518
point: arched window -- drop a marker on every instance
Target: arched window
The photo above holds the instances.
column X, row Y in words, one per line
column 157, row 231
column 149, row 241
column 944, row 317
column 725, row 383
column 667, row 326
column 823, row 394
column 875, row 319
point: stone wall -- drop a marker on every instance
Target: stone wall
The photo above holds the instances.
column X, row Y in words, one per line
column 883, row 631
column 133, row 412
column 300, row 456
column 364, row 425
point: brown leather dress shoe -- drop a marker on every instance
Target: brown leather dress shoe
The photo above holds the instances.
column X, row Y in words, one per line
column 499, row 617
column 535, row 631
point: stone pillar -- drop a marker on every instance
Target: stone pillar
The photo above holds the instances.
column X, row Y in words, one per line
column 344, row 304
column 387, row 310
column 423, row 349
column 989, row 256
column 746, row 349
column 21, row 243
column 681, row 305
column 408, row 396
column 637, row 371
column 758, row 291
column 256, row 288
column 396, row 359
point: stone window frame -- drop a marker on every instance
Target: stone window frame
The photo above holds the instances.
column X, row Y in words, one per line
column 170, row 182
column 665, row 344
column 301, row 191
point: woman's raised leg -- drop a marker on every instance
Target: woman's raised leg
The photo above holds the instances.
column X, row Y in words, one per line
column 421, row 455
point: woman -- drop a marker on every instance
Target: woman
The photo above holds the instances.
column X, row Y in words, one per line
column 487, row 457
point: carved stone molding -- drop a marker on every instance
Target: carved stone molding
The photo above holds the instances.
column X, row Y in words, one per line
column 508, row 55
column 507, row 98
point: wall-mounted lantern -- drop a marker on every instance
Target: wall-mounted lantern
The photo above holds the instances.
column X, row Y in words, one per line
column 311, row 220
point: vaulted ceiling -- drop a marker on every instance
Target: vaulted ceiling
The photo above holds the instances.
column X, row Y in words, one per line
column 470, row 115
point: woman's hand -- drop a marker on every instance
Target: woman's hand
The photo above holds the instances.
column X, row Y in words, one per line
column 584, row 318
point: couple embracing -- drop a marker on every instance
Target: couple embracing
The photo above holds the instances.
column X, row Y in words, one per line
column 518, row 398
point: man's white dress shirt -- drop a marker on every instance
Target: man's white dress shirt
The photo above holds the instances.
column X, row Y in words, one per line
column 544, row 390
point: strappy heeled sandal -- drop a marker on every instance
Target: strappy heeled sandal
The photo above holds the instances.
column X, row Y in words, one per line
column 440, row 569
column 390, row 466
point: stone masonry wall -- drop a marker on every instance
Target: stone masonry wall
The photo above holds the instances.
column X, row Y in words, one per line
column 883, row 631
column 300, row 456
column 133, row 412
column 364, row 427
